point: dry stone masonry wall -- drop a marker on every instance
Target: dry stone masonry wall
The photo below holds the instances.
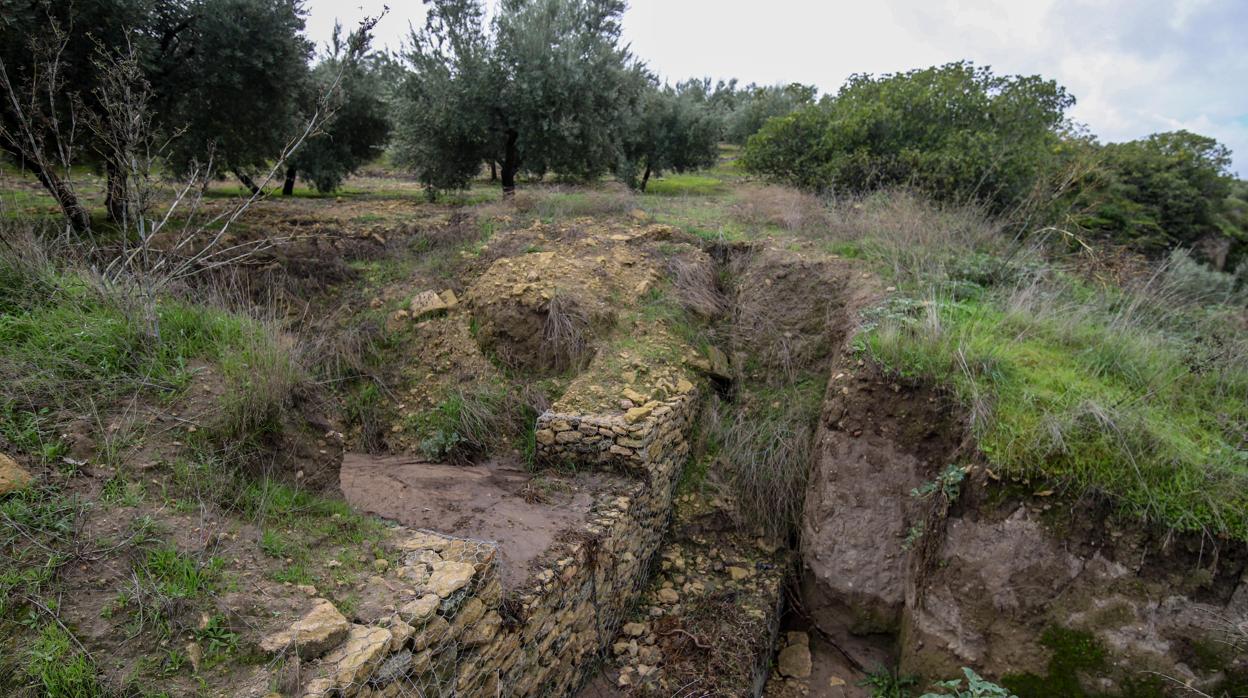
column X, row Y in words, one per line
column 450, row 629
column 647, row 439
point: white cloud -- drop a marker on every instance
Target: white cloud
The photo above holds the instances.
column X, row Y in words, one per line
column 1135, row 66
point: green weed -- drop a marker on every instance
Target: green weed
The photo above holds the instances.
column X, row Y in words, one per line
column 174, row 574
column 217, row 638
column 60, row 670
column 976, row 687
column 121, row 491
column 948, row 484
column 884, row 683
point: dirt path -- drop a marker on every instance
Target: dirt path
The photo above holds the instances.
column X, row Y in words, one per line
column 486, row 501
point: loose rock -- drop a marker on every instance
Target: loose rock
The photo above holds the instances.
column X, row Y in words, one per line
column 13, row 477
column 794, row 661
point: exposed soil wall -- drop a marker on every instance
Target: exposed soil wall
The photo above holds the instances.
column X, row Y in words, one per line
column 1047, row 595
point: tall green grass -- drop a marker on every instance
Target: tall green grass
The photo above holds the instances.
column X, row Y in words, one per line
column 72, row 345
column 1139, row 394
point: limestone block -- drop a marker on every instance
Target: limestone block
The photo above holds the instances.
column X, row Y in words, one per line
column 319, row 630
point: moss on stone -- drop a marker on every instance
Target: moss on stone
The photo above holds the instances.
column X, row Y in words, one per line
column 1075, row 652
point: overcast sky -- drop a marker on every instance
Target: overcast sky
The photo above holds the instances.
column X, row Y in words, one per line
column 1135, row 66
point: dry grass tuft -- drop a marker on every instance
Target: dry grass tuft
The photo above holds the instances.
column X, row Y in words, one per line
column 781, row 207
column 917, row 241
column 696, row 286
column 763, row 443
column 559, row 202
column 565, row 334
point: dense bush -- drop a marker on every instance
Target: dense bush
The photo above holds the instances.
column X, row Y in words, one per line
column 754, row 106
column 958, row 132
column 1167, row 190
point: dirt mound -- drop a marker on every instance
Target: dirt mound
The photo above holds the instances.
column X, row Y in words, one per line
column 541, row 311
column 790, row 308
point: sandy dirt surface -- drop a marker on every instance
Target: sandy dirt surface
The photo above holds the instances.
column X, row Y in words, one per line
column 496, row 500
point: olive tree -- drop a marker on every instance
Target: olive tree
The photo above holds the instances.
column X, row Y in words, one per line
column 233, row 89
column 670, row 130
column 543, row 87
column 359, row 125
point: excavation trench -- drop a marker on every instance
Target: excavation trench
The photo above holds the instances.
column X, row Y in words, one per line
column 599, row 577
column 606, row 578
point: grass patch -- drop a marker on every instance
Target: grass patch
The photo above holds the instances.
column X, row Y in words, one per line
column 1136, row 392
column 59, row 670
column 685, row 185
column 72, row 344
column 1060, row 392
column 37, row 534
column 178, row 575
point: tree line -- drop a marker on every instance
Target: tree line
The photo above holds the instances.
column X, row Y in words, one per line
column 543, row 88
column 962, row 134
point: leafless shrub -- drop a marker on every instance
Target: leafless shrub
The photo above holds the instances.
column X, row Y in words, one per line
column 565, row 333
column 37, row 133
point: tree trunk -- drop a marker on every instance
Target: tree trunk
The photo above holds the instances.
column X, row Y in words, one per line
column 75, row 214
column 247, row 182
column 645, row 178
column 511, row 164
column 493, row 170
column 288, row 187
column 115, row 197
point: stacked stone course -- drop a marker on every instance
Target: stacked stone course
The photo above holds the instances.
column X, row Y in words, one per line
column 644, row 440
column 454, row 632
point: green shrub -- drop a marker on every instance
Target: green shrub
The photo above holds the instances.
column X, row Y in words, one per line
column 958, row 132
column 1156, row 193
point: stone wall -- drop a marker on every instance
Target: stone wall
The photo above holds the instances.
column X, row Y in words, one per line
column 451, row 629
column 644, row 439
